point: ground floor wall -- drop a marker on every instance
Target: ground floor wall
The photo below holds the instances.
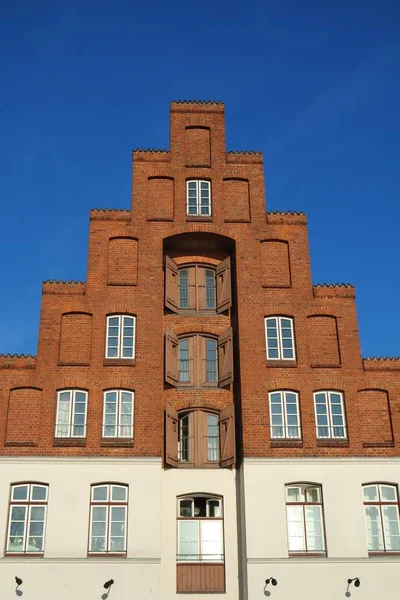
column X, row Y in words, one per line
column 148, row 571
column 309, row 577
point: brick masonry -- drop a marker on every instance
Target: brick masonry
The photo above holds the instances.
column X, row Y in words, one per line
column 271, row 276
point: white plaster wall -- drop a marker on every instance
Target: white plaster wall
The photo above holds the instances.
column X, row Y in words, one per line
column 311, row 578
column 176, row 482
column 65, row 572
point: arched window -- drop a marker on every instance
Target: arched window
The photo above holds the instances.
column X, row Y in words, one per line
column 71, row 414
column 329, row 415
column 108, row 518
column 118, row 414
column 120, row 342
column 199, row 360
column 198, row 198
column 284, row 415
column 27, row 520
column 200, row 529
column 279, row 338
column 381, row 507
column 305, row 520
column 200, row 438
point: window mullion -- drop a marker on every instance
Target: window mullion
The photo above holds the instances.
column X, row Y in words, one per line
column 284, row 415
column 198, row 189
column 305, row 527
column 118, row 413
column 120, row 336
column 108, row 526
column 27, row 523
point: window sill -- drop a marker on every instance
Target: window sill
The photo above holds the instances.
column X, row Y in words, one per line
column 277, row 287
column 65, row 363
column 116, row 442
column 214, row 387
column 325, row 366
column 271, row 364
column 198, row 218
column 378, row 445
column 21, row 444
column 190, row 465
column 333, row 443
column 286, row 443
column 384, row 554
column 106, row 555
column 307, row 554
column 78, row 442
column 24, row 554
column 119, row 362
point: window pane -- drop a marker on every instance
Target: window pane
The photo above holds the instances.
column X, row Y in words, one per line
column 188, row 542
column 118, row 493
column 370, row 493
column 391, row 527
column 388, row 493
column 184, row 439
column 184, row 372
column 100, row 494
column 374, row 529
column 211, row 361
column 211, row 540
column 37, row 513
column 214, row 508
column 312, row 495
column 20, row 492
column 314, row 528
column 295, row 528
column 17, row 529
column 212, row 438
column 294, row 494
column 185, row 508
column 183, row 289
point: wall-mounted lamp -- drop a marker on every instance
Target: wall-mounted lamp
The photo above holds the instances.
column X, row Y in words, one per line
column 108, row 584
column 271, row 580
column 18, row 581
column 355, row 580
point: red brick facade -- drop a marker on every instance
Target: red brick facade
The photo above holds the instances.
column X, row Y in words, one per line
column 270, row 276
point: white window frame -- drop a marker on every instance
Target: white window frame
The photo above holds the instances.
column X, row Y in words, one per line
column 278, row 325
column 199, row 521
column 71, row 425
column 286, row 429
column 304, row 487
column 379, row 505
column 28, row 504
column 331, row 434
column 120, row 351
column 199, row 183
column 108, row 504
column 118, row 427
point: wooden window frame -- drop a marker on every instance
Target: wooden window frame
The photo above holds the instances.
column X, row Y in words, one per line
column 197, row 447
column 197, row 288
column 330, row 427
column 27, row 504
column 197, row 353
column 120, row 348
column 108, row 504
column 70, row 426
column 198, row 519
column 198, row 212
column 286, row 428
column 379, row 504
column 278, row 323
column 118, row 425
column 305, row 486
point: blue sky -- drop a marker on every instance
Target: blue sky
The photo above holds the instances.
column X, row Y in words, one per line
column 313, row 85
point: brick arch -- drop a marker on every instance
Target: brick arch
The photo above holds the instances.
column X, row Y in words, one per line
column 115, row 383
column 123, row 232
column 197, row 402
column 210, row 329
column 204, row 228
column 69, row 383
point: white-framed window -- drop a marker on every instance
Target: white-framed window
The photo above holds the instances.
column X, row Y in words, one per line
column 27, row 520
column 118, row 414
column 108, row 518
column 284, row 415
column 381, row 507
column 200, row 529
column 329, row 415
column 305, row 520
column 198, row 198
column 120, row 341
column 279, row 338
column 71, row 414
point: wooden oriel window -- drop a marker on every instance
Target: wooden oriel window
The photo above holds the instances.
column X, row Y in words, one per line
column 305, row 520
column 27, row 518
column 198, row 288
column 198, row 360
column 108, row 518
column 200, row 544
column 199, row 438
column 381, row 507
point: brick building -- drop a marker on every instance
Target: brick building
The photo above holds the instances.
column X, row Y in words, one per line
column 198, row 417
